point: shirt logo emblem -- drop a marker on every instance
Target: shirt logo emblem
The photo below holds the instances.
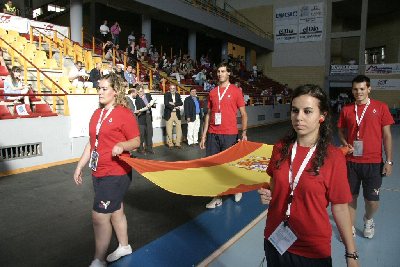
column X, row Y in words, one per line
column 110, row 120
column 104, row 204
column 374, row 111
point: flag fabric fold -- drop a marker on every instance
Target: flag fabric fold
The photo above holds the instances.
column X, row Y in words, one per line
column 241, row 168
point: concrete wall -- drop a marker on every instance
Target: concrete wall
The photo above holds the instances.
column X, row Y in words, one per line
column 57, row 146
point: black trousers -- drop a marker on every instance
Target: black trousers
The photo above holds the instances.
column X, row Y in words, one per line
column 146, row 134
column 216, row 143
column 274, row 259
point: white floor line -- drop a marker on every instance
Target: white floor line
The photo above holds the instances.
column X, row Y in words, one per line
column 231, row 241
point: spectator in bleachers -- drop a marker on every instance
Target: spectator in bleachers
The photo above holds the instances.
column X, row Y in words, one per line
column 172, row 114
column 193, row 116
column 115, row 31
column 130, row 76
column 255, row 72
column 9, row 8
column 108, row 69
column 13, row 85
column 107, row 50
column 119, row 71
column 104, row 31
column 145, row 103
column 155, row 56
column 200, row 77
column 130, row 52
column 118, row 54
column 2, row 62
column 131, row 38
column 95, row 75
column 78, row 76
column 143, row 45
column 175, row 73
column 208, row 85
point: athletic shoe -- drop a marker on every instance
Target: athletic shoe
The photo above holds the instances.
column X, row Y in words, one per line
column 369, row 228
column 215, row 202
column 119, row 252
column 238, row 197
column 98, row 263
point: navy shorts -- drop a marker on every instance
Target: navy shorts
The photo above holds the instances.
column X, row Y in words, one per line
column 109, row 192
column 289, row 259
column 369, row 175
column 219, row 142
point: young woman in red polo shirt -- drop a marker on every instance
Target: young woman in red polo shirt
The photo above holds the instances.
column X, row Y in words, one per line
column 307, row 174
column 113, row 131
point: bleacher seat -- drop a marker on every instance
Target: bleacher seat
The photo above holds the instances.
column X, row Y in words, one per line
column 52, row 64
column 27, row 108
column 5, row 113
column 3, row 72
column 44, row 110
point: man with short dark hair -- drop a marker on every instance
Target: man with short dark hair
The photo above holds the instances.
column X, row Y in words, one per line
column 95, row 74
column 220, row 124
column 363, row 126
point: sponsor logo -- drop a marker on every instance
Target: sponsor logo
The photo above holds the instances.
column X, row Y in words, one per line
column 5, row 18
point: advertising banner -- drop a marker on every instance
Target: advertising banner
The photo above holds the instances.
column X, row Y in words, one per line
column 382, row 69
column 310, row 32
column 15, row 23
column 48, row 29
column 344, row 69
column 286, row 34
column 385, row 84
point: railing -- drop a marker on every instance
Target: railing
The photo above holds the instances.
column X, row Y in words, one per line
column 53, row 94
column 239, row 19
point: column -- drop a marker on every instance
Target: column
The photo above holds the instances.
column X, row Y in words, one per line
column 363, row 35
column 224, row 51
column 247, row 59
column 192, row 44
column 76, row 20
column 146, row 28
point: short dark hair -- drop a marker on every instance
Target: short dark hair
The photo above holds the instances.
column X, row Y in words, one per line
column 361, row 79
column 224, row 64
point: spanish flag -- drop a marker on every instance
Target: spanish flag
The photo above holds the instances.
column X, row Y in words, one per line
column 241, row 168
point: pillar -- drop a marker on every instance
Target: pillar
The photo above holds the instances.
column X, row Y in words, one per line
column 363, row 36
column 224, row 51
column 247, row 59
column 146, row 28
column 75, row 16
column 192, row 44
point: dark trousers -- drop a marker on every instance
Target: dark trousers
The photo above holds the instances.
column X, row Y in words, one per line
column 288, row 259
column 219, row 142
column 146, row 134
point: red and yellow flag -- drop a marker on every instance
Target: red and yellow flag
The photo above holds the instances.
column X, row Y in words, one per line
column 240, row 168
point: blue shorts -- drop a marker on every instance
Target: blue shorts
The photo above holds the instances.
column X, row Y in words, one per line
column 109, row 192
column 369, row 175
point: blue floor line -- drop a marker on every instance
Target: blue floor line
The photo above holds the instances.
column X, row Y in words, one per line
column 192, row 242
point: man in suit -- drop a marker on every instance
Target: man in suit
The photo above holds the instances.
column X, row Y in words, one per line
column 193, row 115
column 172, row 113
column 144, row 103
column 131, row 100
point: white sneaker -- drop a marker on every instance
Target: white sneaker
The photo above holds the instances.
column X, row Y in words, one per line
column 119, row 252
column 98, row 263
column 238, row 197
column 369, row 228
column 215, row 202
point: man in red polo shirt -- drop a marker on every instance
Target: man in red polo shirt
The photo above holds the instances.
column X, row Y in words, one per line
column 220, row 124
column 363, row 126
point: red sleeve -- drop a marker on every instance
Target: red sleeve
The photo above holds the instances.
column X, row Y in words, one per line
column 129, row 126
column 338, row 189
column 239, row 98
column 387, row 118
column 342, row 120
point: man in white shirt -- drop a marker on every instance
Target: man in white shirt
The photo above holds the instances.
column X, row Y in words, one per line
column 104, row 31
column 78, row 76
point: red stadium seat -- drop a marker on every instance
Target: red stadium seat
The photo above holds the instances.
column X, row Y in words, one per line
column 5, row 113
column 4, row 71
column 27, row 108
column 44, row 110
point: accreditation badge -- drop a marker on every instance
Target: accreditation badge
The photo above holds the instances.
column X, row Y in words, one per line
column 282, row 238
column 358, row 148
column 94, row 158
column 218, row 118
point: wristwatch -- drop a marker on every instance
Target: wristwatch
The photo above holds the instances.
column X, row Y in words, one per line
column 389, row 162
column 353, row 255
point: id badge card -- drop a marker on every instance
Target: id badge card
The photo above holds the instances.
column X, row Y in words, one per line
column 94, row 158
column 282, row 238
column 358, row 148
column 218, row 118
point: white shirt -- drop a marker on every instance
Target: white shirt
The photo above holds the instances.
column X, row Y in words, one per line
column 104, row 29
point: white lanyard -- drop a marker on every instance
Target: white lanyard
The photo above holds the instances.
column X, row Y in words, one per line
column 358, row 120
column 220, row 97
column 98, row 125
column 293, row 183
